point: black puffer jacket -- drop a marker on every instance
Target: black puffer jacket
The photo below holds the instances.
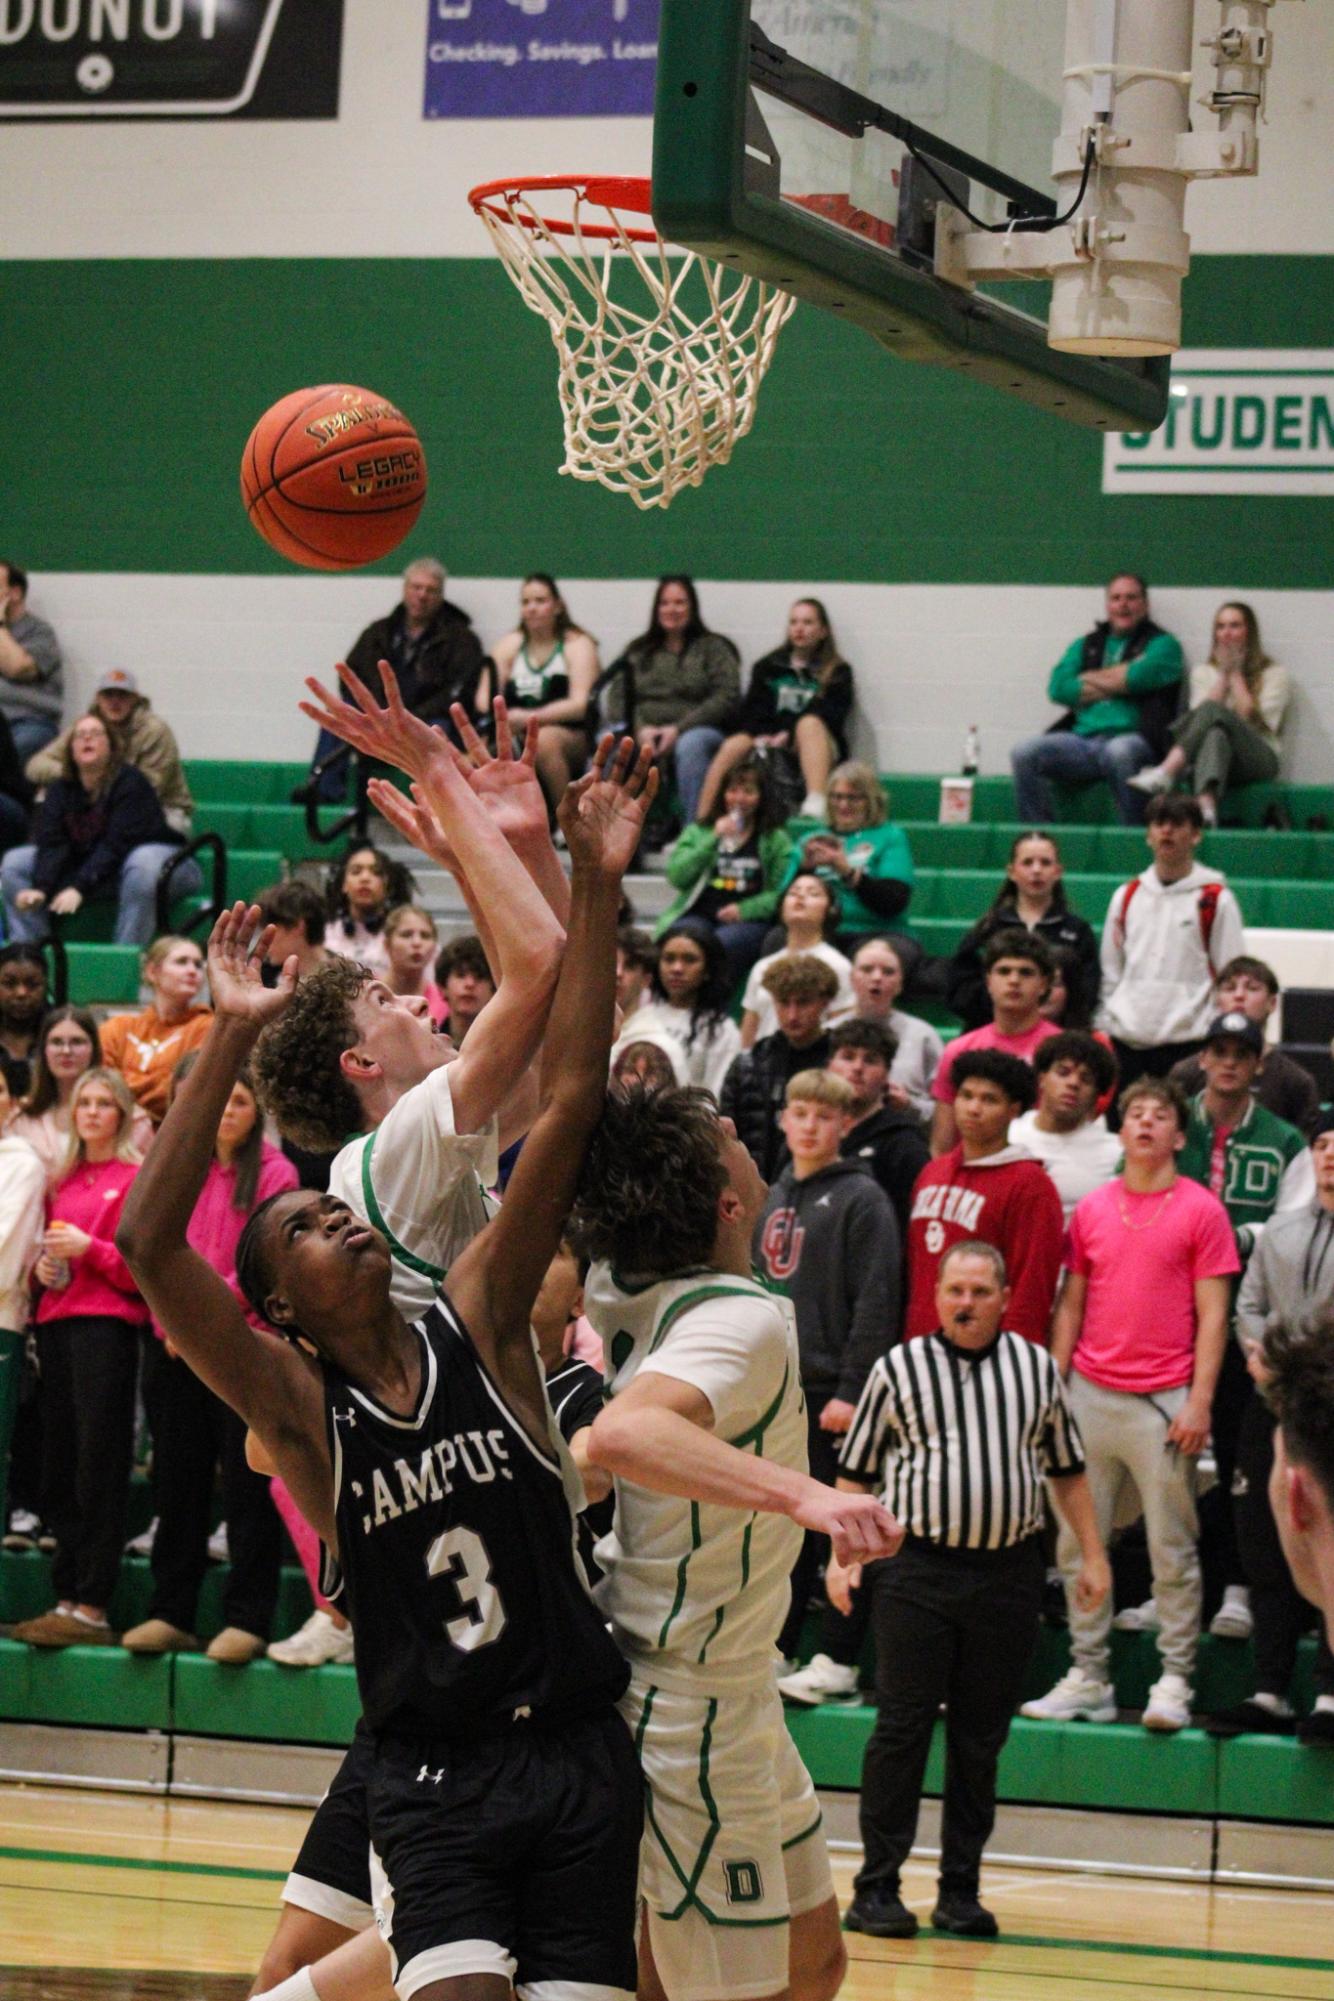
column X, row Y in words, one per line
column 753, row 1093
column 445, row 668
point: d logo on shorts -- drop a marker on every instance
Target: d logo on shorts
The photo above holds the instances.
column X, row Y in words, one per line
column 745, row 1885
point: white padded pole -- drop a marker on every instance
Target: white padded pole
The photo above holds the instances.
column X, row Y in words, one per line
column 1122, row 295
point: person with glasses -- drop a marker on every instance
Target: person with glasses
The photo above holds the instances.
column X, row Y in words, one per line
column 864, row 856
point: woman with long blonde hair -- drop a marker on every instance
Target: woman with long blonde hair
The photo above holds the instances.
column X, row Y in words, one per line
column 1231, row 734
column 88, row 1316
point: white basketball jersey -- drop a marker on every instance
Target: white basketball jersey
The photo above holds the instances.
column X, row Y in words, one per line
column 696, row 1592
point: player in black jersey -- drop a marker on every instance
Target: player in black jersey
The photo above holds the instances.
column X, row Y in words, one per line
column 505, row 1799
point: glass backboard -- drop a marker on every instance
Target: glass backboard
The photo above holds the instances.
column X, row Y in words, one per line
column 806, row 141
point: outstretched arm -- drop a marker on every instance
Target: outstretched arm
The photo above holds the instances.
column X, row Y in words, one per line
column 270, row 1384
column 658, row 1434
column 526, row 936
column 496, row 1280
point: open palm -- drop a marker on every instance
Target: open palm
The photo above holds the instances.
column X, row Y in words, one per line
column 236, row 950
column 506, row 782
column 602, row 814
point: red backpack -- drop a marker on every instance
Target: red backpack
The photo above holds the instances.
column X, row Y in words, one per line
column 1207, row 908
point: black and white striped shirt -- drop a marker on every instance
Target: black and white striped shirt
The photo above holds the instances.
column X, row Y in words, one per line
column 963, row 1439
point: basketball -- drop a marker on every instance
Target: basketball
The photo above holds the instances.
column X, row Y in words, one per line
column 333, row 477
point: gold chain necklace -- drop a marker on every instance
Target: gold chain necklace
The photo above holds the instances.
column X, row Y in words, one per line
column 1154, row 1219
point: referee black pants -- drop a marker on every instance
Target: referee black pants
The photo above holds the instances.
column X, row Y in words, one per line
column 955, row 1626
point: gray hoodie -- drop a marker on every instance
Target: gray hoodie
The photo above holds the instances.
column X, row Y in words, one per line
column 832, row 1243
column 1290, row 1273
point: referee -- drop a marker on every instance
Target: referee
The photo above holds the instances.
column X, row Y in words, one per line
column 960, row 1429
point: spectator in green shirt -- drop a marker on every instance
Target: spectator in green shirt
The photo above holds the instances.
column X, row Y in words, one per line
column 1120, row 686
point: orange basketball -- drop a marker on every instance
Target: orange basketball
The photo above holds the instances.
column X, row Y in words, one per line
column 333, row 477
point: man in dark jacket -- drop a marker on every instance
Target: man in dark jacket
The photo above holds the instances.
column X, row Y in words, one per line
column 889, row 1140
column 1119, row 686
column 755, row 1087
column 432, row 648
column 828, row 1237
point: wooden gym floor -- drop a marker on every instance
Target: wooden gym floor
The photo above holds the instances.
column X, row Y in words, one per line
column 132, row 1899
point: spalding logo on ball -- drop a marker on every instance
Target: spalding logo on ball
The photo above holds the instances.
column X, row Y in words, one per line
column 333, row 477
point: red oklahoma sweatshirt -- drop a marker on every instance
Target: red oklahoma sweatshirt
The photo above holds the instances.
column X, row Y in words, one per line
column 1008, row 1200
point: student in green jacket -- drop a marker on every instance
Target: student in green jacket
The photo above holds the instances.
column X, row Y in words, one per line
column 1258, row 1166
column 728, row 874
column 865, row 857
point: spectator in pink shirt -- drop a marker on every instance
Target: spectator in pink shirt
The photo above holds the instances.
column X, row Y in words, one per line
column 193, row 1430
column 88, row 1320
column 1140, row 1329
column 412, row 942
column 1019, row 969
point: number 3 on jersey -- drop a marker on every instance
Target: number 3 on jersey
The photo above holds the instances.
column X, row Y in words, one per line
column 460, row 1554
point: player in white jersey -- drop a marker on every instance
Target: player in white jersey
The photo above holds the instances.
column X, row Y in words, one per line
column 353, row 1057
column 706, row 1437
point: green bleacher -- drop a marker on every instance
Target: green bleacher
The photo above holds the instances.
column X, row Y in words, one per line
column 1282, row 879
column 1093, row 1766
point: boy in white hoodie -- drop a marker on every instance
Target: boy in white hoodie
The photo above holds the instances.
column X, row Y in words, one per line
column 1166, row 934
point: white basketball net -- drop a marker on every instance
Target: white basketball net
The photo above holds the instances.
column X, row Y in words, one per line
column 651, row 393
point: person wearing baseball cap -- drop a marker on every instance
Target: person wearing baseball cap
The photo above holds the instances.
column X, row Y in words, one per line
column 143, row 740
column 1258, row 1166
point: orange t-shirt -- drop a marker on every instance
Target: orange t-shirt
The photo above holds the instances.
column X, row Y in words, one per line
column 146, row 1049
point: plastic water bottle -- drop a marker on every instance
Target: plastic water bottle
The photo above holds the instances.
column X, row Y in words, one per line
column 972, row 752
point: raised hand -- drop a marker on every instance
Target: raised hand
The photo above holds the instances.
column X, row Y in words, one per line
column 506, row 782
column 413, row 819
column 602, row 814
column 236, row 948
column 386, row 731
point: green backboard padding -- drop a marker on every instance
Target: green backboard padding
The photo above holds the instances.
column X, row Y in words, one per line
column 708, row 197
column 100, row 1686
column 294, row 1705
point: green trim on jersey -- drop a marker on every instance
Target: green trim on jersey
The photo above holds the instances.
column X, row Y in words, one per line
column 754, row 1436
column 695, row 1540
column 691, row 1899
column 375, row 1216
column 805, row 1834
column 745, row 1290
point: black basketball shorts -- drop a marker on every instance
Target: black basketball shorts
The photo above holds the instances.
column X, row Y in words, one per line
column 332, row 1873
column 515, row 1854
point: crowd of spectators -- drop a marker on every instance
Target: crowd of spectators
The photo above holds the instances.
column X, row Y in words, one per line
column 1097, row 1195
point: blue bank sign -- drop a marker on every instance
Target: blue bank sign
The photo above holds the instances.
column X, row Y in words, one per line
column 1242, row 420
column 541, row 58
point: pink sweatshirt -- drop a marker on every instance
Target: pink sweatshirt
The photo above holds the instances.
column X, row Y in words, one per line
column 216, row 1225
column 92, row 1198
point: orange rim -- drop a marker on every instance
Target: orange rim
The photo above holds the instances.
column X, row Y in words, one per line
column 609, row 191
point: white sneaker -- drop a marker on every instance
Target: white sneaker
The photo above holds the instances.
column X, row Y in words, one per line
column 23, row 1530
column 1076, row 1697
column 142, row 1544
column 218, row 1551
column 1138, row 1618
column 1234, row 1619
column 317, row 1643
column 1208, row 806
column 821, row 1680
column 1168, row 1706
column 812, row 806
column 1152, row 779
